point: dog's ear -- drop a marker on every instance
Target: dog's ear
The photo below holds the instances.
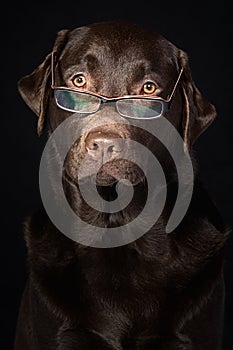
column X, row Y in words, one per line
column 198, row 113
column 34, row 87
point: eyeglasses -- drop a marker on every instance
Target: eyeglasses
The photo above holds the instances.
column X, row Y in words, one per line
column 132, row 106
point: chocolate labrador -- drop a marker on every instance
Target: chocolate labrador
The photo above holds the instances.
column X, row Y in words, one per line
column 161, row 290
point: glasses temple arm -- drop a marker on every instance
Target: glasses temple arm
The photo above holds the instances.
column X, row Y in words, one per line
column 174, row 89
column 53, row 58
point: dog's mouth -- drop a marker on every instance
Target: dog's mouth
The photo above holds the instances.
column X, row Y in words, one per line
column 121, row 169
column 106, row 176
column 103, row 174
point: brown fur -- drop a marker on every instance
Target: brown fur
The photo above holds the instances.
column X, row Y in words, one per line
column 163, row 291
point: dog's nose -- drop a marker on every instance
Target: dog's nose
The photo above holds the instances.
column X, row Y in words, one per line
column 104, row 146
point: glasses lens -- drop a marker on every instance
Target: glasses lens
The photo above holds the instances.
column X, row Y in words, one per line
column 140, row 108
column 76, row 101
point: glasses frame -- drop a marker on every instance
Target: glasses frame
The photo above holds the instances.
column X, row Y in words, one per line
column 105, row 99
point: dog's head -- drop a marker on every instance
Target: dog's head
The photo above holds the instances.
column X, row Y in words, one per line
column 112, row 60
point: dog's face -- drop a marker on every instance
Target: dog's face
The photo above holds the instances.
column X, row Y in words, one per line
column 112, row 60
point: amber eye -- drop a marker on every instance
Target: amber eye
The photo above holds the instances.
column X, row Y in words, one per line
column 79, row 80
column 149, row 87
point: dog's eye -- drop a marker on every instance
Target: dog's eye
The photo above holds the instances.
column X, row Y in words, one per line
column 149, row 88
column 79, row 80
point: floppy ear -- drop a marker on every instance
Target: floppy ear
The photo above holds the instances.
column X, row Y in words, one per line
column 34, row 88
column 198, row 113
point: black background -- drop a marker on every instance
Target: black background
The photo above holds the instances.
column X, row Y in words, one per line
column 202, row 29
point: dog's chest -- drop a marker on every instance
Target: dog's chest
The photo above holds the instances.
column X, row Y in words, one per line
column 123, row 303
column 123, row 319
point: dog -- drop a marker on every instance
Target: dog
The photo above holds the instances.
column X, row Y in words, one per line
column 162, row 290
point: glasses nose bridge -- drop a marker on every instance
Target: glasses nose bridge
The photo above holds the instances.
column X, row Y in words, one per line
column 110, row 101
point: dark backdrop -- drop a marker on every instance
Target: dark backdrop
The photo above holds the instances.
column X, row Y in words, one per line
column 203, row 29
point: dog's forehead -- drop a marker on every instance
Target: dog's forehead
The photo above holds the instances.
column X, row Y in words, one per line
column 118, row 42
